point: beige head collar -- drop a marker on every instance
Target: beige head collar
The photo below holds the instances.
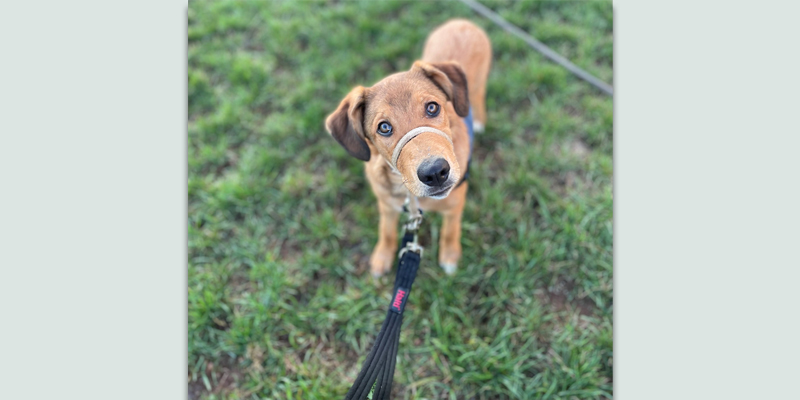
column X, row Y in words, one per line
column 411, row 135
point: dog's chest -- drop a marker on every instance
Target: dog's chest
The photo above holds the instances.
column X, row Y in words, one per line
column 387, row 185
column 394, row 183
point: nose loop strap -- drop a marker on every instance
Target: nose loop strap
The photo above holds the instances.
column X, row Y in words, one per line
column 411, row 135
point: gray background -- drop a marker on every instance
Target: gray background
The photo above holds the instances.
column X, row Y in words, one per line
column 93, row 204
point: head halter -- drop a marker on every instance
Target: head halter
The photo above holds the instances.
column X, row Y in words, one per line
column 411, row 135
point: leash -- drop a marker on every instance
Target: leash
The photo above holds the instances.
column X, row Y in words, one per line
column 378, row 368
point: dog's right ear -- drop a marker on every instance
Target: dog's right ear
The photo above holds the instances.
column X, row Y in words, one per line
column 346, row 124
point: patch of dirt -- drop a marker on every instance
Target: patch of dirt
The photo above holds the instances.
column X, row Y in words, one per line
column 571, row 180
column 196, row 389
column 289, row 251
column 563, row 183
column 557, row 298
column 579, row 149
column 226, row 374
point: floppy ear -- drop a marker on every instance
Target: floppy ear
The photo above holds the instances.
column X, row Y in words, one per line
column 450, row 77
column 346, row 124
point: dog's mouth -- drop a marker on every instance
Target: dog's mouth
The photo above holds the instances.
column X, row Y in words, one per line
column 441, row 193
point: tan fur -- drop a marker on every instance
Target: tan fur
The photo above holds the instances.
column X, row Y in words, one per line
column 453, row 74
column 462, row 41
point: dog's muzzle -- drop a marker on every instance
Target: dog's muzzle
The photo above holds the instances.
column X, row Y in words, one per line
column 411, row 135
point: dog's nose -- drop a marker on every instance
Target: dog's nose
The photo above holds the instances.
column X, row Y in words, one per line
column 434, row 173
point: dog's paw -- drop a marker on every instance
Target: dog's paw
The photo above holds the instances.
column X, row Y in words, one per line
column 449, row 254
column 381, row 262
column 449, row 268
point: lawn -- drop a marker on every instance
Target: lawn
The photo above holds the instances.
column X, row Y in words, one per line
column 282, row 221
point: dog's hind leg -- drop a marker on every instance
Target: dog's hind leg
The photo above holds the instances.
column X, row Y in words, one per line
column 478, row 102
column 383, row 255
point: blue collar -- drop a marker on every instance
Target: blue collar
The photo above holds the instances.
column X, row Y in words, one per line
column 471, row 133
column 470, row 130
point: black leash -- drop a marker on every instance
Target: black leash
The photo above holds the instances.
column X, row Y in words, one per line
column 378, row 369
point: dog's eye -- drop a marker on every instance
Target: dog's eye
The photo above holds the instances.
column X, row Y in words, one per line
column 385, row 128
column 432, row 109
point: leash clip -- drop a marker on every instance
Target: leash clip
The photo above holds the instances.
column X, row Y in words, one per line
column 412, row 246
column 411, row 206
column 413, row 224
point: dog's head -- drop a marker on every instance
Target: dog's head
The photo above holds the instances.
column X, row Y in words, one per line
column 415, row 102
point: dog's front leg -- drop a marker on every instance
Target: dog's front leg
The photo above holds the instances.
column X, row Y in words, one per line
column 383, row 255
column 450, row 239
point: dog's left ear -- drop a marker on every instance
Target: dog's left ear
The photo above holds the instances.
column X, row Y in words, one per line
column 450, row 77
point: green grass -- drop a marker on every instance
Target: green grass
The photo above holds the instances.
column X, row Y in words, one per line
column 282, row 221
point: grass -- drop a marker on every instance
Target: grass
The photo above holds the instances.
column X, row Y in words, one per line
column 281, row 220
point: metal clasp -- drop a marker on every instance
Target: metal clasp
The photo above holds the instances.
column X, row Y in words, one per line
column 411, row 206
column 412, row 226
column 412, row 246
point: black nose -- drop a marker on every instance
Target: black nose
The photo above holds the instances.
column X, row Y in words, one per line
column 434, row 173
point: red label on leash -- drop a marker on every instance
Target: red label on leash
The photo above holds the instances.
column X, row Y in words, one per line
column 399, row 301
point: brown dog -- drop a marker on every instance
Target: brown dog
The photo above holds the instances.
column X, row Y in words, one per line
column 409, row 129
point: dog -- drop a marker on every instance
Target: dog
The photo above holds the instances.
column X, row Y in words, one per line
column 412, row 131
